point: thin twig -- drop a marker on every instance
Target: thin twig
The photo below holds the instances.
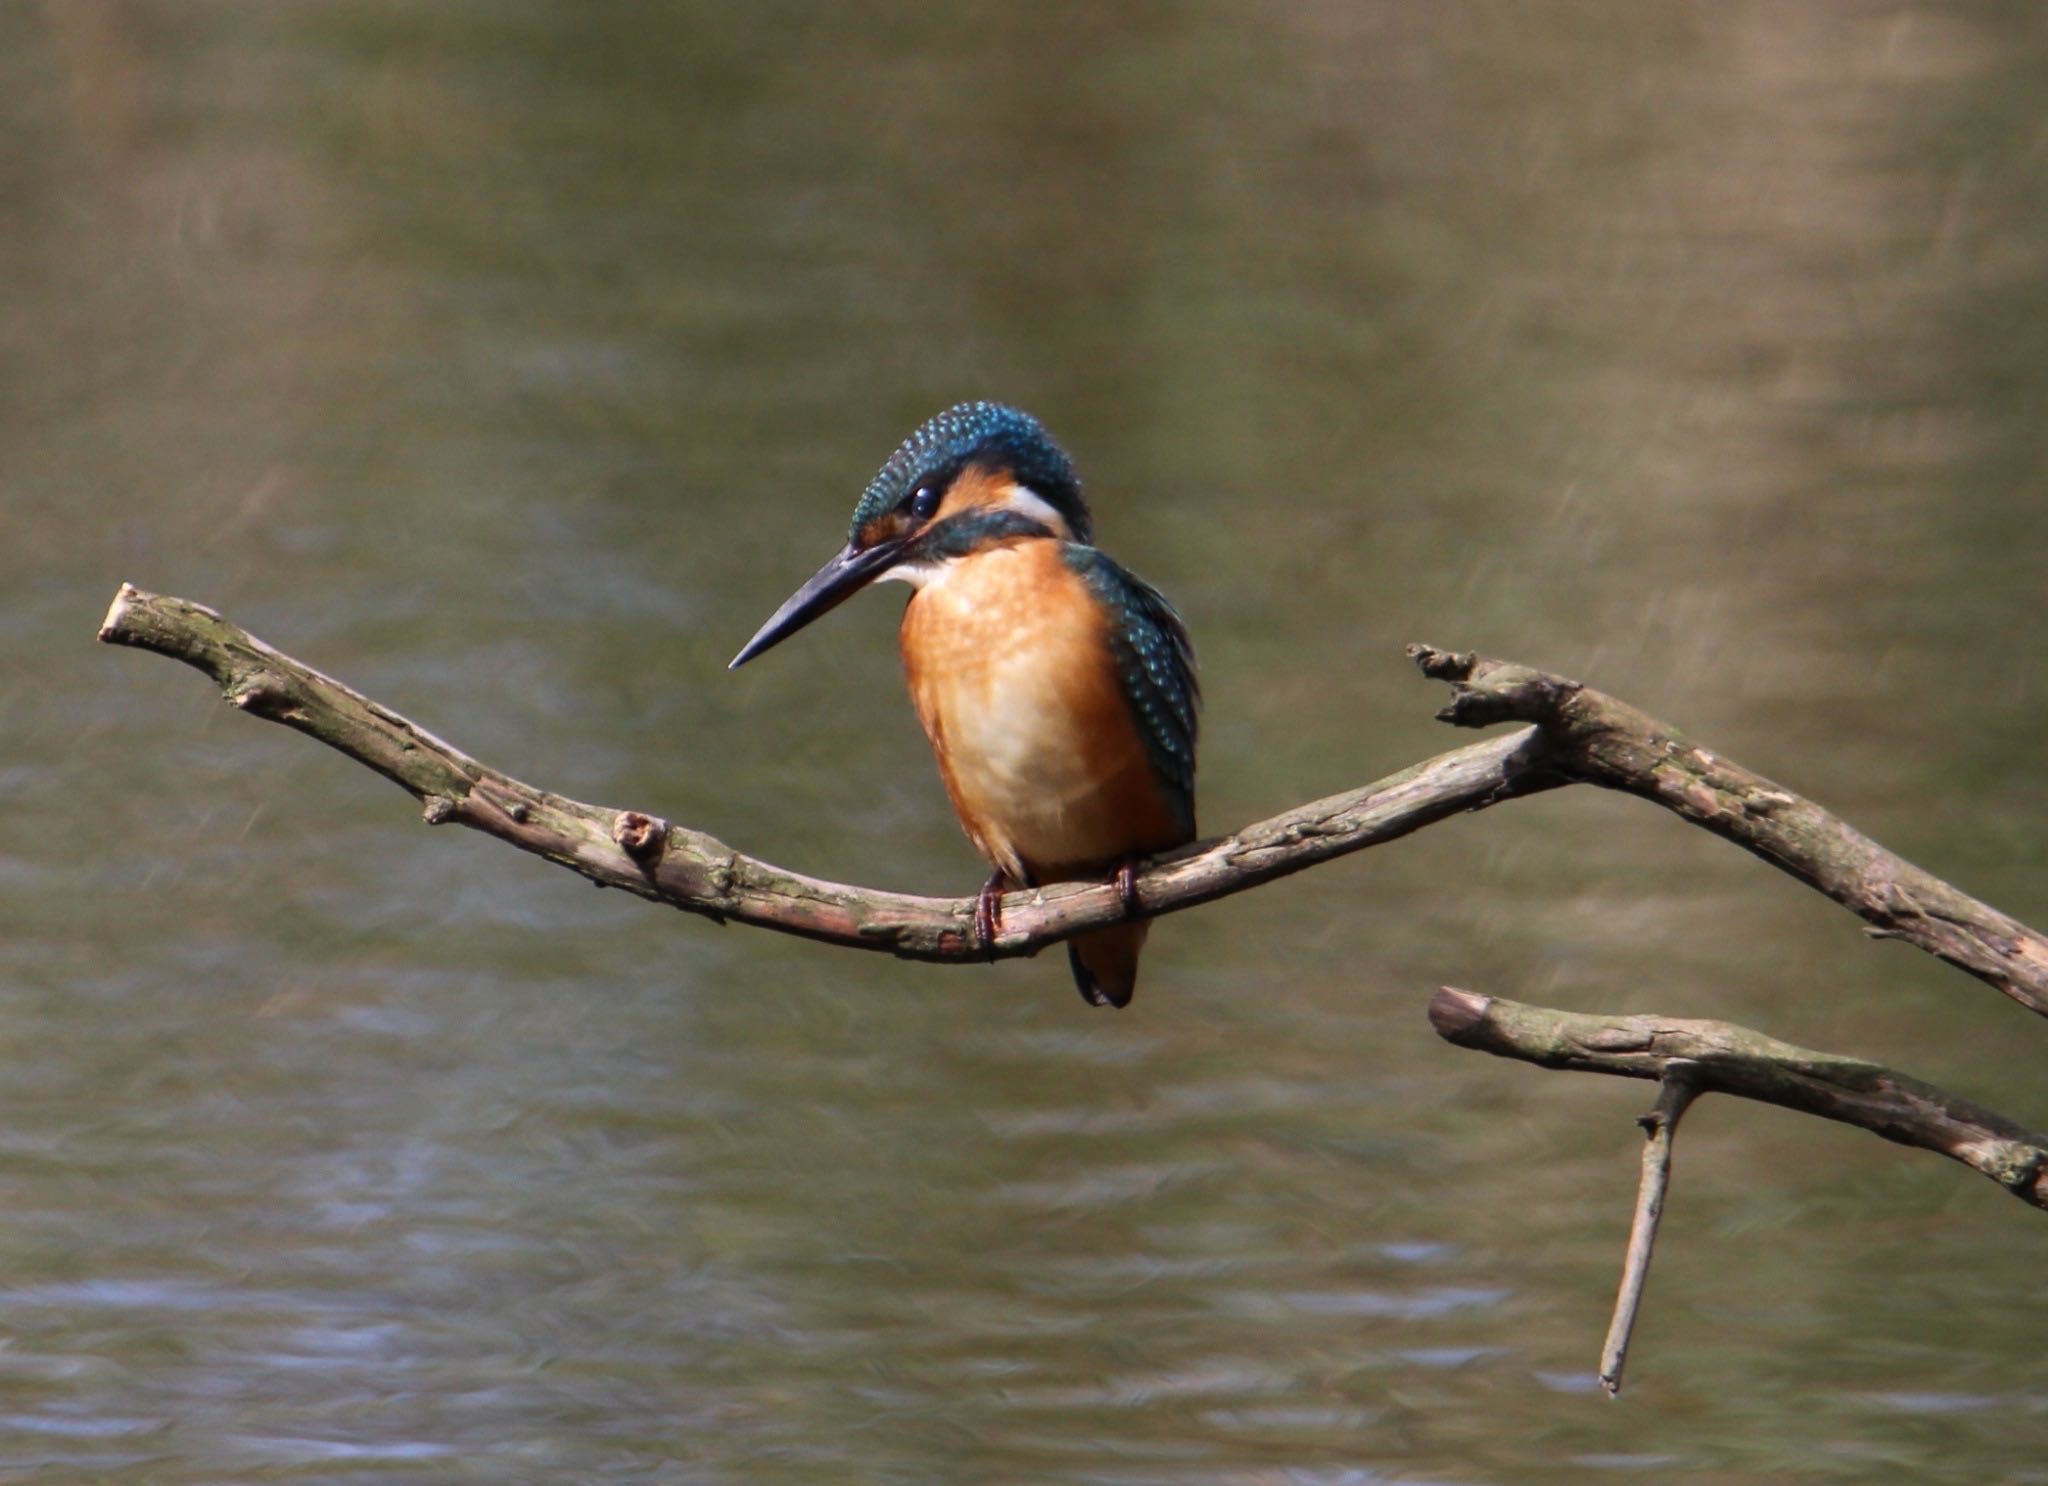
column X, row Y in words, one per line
column 1660, row 1129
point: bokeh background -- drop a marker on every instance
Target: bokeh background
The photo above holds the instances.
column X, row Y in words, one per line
column 512, row 360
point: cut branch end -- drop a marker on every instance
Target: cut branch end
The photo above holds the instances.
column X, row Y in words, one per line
column 1454, row 1013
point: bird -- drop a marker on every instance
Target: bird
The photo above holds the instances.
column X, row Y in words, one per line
column 1057, row 689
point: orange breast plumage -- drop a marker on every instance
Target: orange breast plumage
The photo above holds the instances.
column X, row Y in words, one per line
column 1013, row 675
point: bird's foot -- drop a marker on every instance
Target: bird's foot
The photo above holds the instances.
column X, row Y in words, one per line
column 1126, row 882
column 988, row 912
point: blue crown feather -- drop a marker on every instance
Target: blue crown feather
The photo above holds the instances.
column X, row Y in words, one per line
column 989, row 433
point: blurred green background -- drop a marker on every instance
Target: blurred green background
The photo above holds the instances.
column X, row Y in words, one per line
column 511, row 361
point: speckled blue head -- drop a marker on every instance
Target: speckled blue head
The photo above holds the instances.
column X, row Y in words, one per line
column 990, row 434
column 898, row 528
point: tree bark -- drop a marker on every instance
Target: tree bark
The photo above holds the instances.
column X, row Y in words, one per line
column 640, row 853
column 1727, row 1059
column 1599, row 740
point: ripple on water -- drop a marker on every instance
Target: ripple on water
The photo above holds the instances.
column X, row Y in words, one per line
column 281, row 1449
column 1937, row 1403
column 80, row 1426
column 1290, row 1418
column 1104, row 1186
column 1447, row 1357
column 1402, row 1305
column 1626, row 1461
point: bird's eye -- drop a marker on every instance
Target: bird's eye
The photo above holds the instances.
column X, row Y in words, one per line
column 924, row 503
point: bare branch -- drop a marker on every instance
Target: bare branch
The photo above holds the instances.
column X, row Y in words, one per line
column 688, row 869
column 1728, row 1059
column 1580, row 734
column 1603, row 741
column 1660, row 1130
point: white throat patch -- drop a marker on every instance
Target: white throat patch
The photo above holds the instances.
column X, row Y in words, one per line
column 916, row 574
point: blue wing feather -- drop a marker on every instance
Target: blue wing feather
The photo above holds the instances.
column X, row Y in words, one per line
column 1156, row 669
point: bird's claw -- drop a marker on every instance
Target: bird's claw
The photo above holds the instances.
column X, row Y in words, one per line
column 988, row 913
column 1126, row 881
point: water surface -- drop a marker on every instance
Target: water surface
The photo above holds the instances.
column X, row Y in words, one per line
column 512, row 361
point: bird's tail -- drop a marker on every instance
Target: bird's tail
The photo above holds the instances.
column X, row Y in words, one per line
column 1105, row 963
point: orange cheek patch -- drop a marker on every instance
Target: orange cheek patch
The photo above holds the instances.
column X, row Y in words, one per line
column 976, row 486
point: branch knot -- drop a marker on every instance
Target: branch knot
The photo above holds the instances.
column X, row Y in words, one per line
column 641, row 837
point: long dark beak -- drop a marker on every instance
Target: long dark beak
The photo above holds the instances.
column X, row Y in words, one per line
column 832, row 585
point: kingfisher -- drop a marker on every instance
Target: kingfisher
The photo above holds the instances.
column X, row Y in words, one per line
column 1057, row 688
